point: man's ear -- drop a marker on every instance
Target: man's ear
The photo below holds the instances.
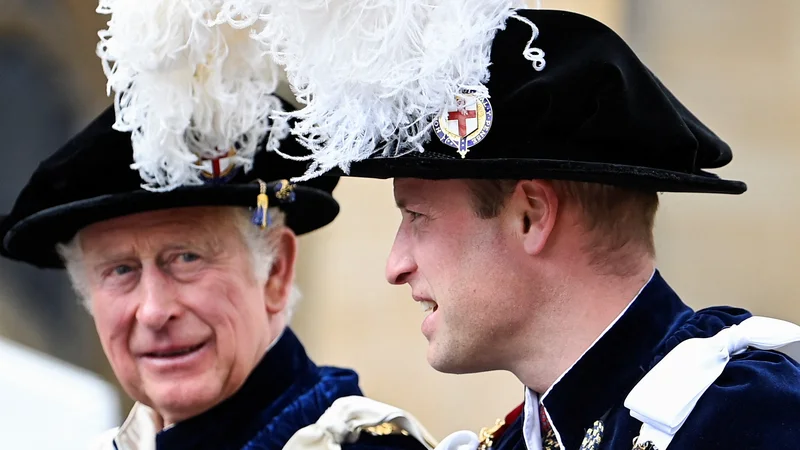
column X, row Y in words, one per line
column 536, row 205
column 281, row 275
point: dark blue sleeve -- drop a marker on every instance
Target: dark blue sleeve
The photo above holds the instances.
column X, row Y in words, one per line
column 754, row 404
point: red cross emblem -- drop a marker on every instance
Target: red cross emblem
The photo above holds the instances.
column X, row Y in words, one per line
column 464, row 120
column 461, row 118
column 219, row 169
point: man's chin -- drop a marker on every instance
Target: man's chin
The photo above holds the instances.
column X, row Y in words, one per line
column 177, row 401
column 447, row 361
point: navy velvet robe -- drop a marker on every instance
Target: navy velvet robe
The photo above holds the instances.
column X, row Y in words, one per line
column 754, row 404
column 285, row 392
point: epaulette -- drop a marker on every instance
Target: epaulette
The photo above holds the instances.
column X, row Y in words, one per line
column 392, row 428
column 348, row 417
column 489, row 435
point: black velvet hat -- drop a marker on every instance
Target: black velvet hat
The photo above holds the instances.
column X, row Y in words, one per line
column 90, row 180
column 579, row 106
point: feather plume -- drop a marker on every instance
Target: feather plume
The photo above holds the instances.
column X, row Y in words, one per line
column 189, row 82
column 372, row 74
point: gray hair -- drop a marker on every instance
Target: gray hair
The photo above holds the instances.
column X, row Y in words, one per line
column 261, row 243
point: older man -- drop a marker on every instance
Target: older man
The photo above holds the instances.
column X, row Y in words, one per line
column 190, row 293
column 173, row 218
column 527, row 149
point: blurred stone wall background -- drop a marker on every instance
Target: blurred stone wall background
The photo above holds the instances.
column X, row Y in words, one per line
column 736, row 64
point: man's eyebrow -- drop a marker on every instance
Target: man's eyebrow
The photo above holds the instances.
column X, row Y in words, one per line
column 112, row 254
column 101, row 260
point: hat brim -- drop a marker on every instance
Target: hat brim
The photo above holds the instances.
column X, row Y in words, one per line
column 34, row 238
column 432, row 168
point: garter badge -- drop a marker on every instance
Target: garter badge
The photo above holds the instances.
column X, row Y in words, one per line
column 467, row 125
column 219, row 170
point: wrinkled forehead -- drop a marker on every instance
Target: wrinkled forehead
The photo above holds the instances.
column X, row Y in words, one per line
column 196, row 226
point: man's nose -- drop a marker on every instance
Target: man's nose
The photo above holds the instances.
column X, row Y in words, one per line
column 159, row 302
column 400, row 264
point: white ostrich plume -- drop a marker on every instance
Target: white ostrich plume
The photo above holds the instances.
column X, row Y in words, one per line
column 189, row 82
column 373, row 74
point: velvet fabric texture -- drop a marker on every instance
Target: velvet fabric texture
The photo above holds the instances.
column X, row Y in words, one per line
column 754, row 404
column 90, row 179
column 595, row 113
column 284, row 393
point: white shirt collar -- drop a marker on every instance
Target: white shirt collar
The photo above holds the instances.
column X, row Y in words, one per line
column 531, row 426
column 139, row 430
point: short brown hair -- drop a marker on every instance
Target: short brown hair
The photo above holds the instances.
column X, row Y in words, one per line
column 489, row 196
column 615, row 216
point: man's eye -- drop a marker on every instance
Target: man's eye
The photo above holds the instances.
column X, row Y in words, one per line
column 122, row 270
column 188, row 257
column 413, row 215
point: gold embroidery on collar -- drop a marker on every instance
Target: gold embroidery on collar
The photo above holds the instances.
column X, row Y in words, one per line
column 486, row 435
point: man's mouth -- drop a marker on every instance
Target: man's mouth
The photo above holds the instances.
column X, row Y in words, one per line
column 428, row 305
column 174, row 352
